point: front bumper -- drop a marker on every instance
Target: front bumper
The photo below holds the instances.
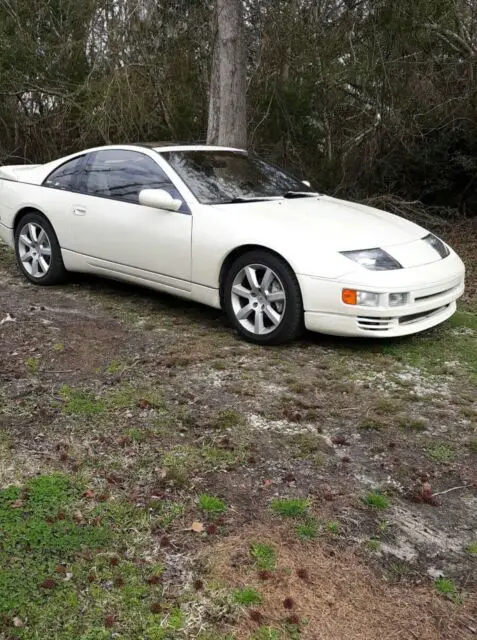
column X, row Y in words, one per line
column 433, row 290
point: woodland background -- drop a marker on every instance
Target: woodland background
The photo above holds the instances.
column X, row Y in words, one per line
column 370, row 99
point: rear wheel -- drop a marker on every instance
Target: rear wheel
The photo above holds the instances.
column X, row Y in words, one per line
column 262, row 298
column 38, row 251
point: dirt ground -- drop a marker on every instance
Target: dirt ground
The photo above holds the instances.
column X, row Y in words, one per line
column 154, row 402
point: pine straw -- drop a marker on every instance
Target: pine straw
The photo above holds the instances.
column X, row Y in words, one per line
column 342, row 598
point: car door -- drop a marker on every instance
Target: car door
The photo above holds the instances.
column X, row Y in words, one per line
column 117, row 234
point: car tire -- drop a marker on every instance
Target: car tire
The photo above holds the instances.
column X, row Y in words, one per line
column 262, row 298
column 38, row 251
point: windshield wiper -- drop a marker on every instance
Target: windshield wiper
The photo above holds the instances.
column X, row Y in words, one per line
column 241, row 199
column 300, row 194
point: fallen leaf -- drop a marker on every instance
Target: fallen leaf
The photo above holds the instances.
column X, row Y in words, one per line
column 18, row 504
column 17, row 622
column 48, row 584
column 88, row 494
column 198, row 527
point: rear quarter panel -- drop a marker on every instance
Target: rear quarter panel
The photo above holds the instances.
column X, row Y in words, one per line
column 52, row 203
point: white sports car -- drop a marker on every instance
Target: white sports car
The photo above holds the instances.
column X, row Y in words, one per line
column 225, row 228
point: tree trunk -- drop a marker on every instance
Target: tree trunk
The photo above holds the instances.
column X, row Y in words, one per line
column 228, row 87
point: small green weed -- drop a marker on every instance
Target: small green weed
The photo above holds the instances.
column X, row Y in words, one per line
column 165, row 513
column 398, row 570
column 212, row 506
column 442, row 453
column 333, row 527
column 32, row 365
column 247, row 597
column 114, row 367
column 290, row 507
column 472, row 548
column 373, row 544
column 307, row 530
column 446, row 587
column 376, row 500
column 265, row 555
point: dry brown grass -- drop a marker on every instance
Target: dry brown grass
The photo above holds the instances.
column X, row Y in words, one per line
column 339, row 596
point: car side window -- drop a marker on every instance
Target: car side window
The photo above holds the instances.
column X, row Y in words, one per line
column 66, row 176
column 121, row 175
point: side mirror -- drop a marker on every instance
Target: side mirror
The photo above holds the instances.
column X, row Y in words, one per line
column 159, row 199
column 306, row 183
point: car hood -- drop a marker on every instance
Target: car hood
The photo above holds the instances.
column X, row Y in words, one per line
column 342, row 225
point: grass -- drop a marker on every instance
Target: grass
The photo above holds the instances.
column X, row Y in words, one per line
column 446, row 587
column 307, row 530
column 412, row 424
column 264, row 555
column 376, row 500
column 290, row 507
column 212, row 506
column 333, row 527
column 247, row 597
column 227, row 419
column 373, row 544
column 78, row 402
column 32, row 365
column 57, row 575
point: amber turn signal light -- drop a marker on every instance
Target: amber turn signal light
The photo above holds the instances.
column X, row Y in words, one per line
column 349, row 296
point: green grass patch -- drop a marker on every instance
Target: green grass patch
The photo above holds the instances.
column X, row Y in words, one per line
column 227, row 419
column 472, row 548
column 307, row 530
column 376, row 500
column 32, row 365
column 290, row 507
column 412, row 424
column 265, row 555
column 373, row 544
column 372, row 423
column 247, row 597
column 442, row 453
column 333, row 527
column 446, row 587
column 212, row 506
column 79, row 402
column 64, row 573
column 450, row 342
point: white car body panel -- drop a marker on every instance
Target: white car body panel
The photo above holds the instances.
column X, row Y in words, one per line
column 184, row 253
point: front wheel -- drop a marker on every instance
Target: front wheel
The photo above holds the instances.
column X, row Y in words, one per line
column 38, row 251
column 262, row 299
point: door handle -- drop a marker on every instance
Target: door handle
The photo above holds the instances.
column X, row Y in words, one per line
column 79, row 211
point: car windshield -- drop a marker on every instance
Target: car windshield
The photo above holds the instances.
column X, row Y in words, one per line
column 224, row 177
